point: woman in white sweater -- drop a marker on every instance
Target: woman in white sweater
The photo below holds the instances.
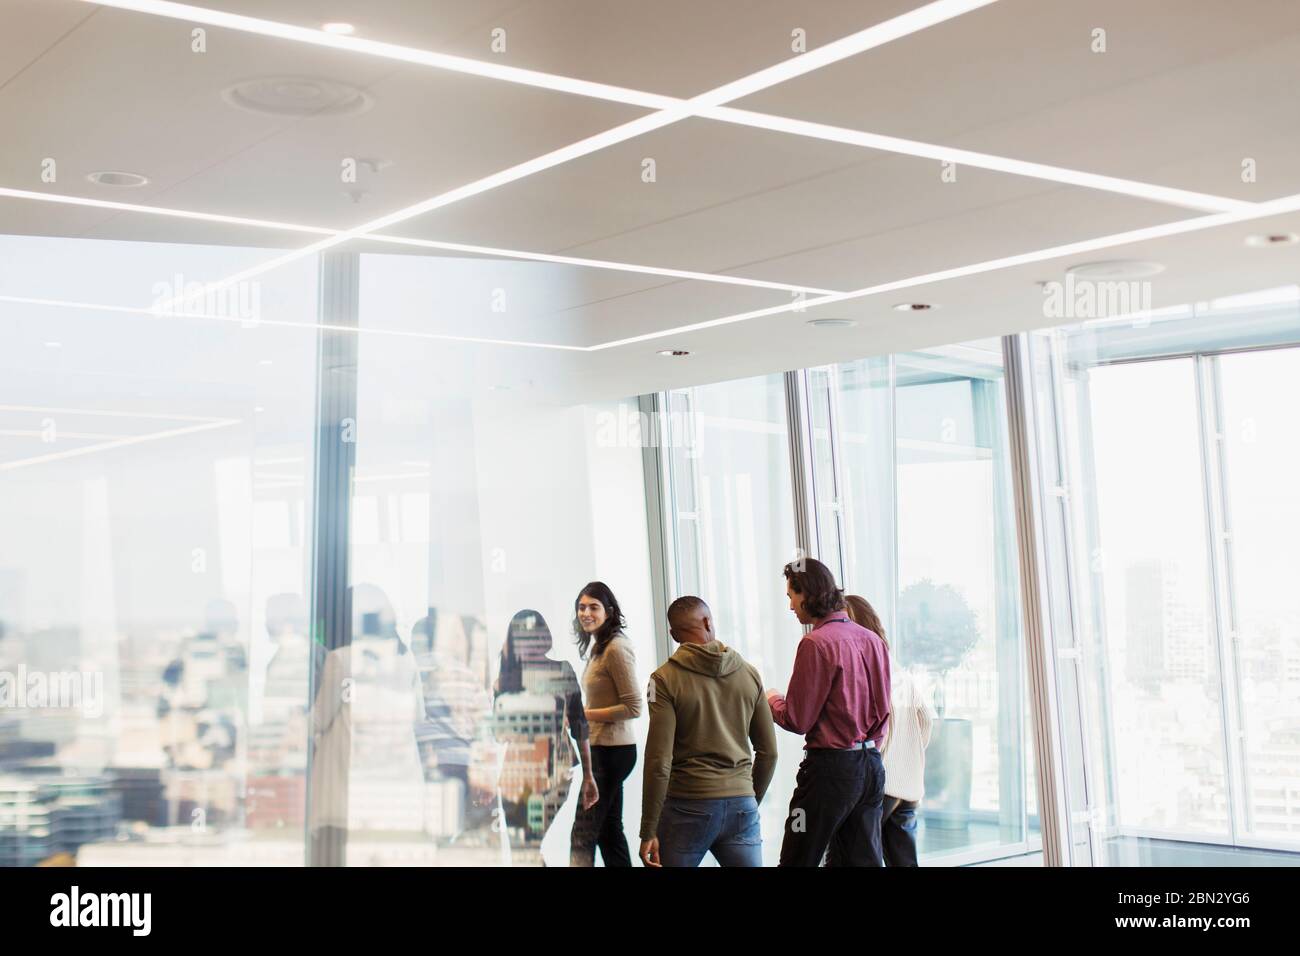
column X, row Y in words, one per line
column 910, row 722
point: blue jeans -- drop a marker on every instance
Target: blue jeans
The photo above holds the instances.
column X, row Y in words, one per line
column 726, row 827
column 898, row 832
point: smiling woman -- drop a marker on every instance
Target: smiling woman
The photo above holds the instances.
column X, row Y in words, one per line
column 613, row 700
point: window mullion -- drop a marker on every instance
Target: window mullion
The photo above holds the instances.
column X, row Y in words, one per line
column 1216, row 517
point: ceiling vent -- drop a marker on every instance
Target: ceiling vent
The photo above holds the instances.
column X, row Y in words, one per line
column 297, row 96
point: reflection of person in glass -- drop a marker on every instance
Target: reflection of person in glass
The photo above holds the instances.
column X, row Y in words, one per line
column 838, row 698
column 366, row 772
column 613, row 696
column 538, row 707
column 910, row 722
column 456, row 699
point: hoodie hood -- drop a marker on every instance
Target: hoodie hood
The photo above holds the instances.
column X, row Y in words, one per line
column 713, row 659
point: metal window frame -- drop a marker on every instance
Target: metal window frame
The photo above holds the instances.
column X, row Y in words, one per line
column 663, row 550
column 334, row 467
column 799, row 443
column 1040, row 666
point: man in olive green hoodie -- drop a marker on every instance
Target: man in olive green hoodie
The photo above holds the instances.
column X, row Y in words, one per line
column 702, row 789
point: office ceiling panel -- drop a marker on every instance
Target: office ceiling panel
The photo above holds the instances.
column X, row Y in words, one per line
column 454, row 182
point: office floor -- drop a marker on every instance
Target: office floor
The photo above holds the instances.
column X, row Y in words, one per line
column 1141, row 851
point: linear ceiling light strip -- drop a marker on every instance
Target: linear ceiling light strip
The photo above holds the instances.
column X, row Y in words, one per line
column 895, row 28
column 1286, row 204
column 874, row 36
column 119, row 443
column 162, row 312
column 1281, row 206
column 405, row 241
column 1202, row 202
column 389, row 51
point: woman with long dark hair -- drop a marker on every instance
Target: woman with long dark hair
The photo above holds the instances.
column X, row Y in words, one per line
column 910, row 722
column 613, row 700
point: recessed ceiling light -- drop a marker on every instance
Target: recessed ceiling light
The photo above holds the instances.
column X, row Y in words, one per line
column 914, row 307
column 1116, row 269
column 833, row 323
column 1273, row 239
column 674, row 353
column 116, row 178
column 339, row 29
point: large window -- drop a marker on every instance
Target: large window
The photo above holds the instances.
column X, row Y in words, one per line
column 906, row 496
column 910, row 461
column 305, row 593
column 729, row 491
column 156, row 506
column 1260, row 392
column 1169, row 441
column 1159, row 618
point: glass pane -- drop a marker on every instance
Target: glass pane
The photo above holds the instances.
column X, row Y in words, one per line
column 478, row 514
column 958, row 618
column 1167, row 748
column 154, row 482
column 865, row 412
column 1261, row 434
column 746, row 536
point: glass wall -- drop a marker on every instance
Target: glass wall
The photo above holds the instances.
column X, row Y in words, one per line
column 1259, row 395
column 958, row 622
column 729, row 488
column 274, row 593
column 156, row 502
column 1174, row 622
column 909, row 503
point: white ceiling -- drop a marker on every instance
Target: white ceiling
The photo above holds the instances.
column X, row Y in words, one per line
column 1185, row 91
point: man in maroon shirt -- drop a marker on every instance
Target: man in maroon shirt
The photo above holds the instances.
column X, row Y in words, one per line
column 838, row 699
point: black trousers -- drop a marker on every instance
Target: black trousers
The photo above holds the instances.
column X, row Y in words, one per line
column 836, row 810
column 898, row 832
column 602, row 825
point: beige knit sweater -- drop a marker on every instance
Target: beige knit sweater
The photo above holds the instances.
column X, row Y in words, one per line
column 609, row 681
column 908, row 736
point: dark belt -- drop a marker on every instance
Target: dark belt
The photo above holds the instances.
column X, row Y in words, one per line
column 864, row 745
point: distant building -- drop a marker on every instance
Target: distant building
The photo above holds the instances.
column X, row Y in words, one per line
column 528, row 715
column 1166, row 638
column 142, row 794
column 275, row 801
column 46, row 815
column 527, row 769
